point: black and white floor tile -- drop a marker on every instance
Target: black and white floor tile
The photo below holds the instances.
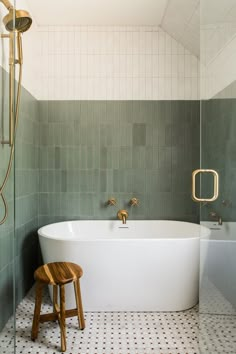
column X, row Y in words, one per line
column 217, row 321
column 119, row 333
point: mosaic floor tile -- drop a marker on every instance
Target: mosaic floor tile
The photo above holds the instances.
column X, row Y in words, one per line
column 121, row 332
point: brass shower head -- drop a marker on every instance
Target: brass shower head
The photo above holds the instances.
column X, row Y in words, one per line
column 18, row 20
column 21, row 23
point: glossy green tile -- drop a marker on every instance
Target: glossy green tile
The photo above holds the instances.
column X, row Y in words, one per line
column 139, row 134
column 118, row 147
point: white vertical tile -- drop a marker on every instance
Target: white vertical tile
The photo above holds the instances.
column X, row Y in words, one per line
column 149, row 66
column 161, row 65
column 161, row 88
column 168, row 45
column 174, row 65
column 155, row 71
column 136, row 60
column 101, row 62
column 168, row 66
column 168, row 89
column 155, row 42
column 181, row 66
column 155, row 89
column 129, row 63
column 149, row 88
column 188, row 88
column 162, row 44
column 174, row 88
column 148, row 42
column 142, row 65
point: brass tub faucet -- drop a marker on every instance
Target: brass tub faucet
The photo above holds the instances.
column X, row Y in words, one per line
column 216, row 217
column 123, row 215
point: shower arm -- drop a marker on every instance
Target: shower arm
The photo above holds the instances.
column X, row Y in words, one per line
column 7, row 4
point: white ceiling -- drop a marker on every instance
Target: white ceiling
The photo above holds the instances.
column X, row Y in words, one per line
column 97, row 12
column 182, row 21
column 224, row 11
column 180, row 18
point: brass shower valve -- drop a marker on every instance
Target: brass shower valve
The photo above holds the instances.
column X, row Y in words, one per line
column 111, row 202
column 134, row 202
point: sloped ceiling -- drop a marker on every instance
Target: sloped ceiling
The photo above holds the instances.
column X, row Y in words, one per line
column 182, row 21
column 97, row 12
column 179, row 18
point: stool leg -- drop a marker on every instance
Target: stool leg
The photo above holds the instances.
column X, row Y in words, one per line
column 55, row 304
column 37, row 308
column 62, row 318
column 79, row 304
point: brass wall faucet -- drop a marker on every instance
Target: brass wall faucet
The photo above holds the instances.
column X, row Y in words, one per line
column 216, row 217
column 123, row 215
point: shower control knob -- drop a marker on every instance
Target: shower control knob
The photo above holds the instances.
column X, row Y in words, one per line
column 226, row 203
column 111, row 202
column 134, row 202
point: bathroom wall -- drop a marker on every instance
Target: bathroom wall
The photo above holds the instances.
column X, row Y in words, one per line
column 218, row 47
column 117, row 114
column 92, row 150
column 114, row 63
column 218, row 55
column 119, row 117
column 18, row 251
column 26, row 193
column 7, row 229
column 218, row 146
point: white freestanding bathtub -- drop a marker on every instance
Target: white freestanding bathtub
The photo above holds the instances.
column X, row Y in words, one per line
column 140, row 266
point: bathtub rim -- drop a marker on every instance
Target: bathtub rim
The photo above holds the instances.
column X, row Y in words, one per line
column 206, row 230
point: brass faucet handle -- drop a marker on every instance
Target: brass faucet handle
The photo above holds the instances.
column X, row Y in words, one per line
column 111, row 201
column 226, row 203
column 213, row 214
column 134, row 202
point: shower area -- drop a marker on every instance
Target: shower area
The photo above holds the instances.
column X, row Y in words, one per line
column 124, row 102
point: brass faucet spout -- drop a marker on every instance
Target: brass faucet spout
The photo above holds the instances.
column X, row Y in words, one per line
column 123, row 219
column 123, row 215
column 216, row 217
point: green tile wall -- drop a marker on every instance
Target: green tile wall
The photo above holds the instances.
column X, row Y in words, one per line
column 71, row 156
column 7, row 229
column 92, row 150
column 26, row 194
column 218, row 152
column 19, row 249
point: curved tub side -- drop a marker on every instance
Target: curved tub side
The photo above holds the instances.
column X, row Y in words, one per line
column 153, row 275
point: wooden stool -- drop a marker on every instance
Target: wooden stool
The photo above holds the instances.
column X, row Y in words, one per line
column 57, row 274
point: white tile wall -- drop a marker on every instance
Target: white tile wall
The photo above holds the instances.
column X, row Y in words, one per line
column 218, row 48
column 113, row 63
column 218, row 69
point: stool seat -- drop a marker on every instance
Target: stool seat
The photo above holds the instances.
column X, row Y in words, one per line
column 57, row 273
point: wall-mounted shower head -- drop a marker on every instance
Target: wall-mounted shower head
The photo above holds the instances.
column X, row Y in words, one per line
column 18, row 20
column 21, row 23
